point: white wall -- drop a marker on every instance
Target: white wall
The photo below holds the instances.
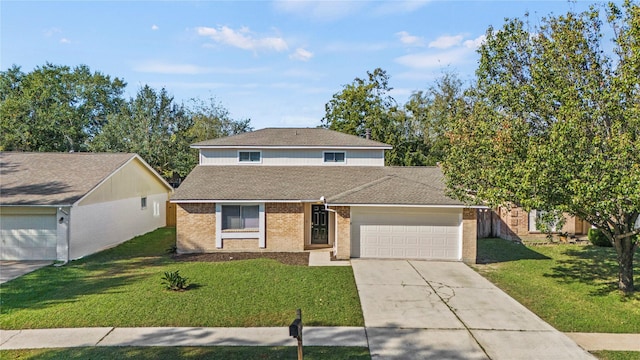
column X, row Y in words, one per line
column 293, row 157
column 98, row 226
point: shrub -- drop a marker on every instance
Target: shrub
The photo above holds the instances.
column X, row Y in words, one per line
column 597, row 238
column 174, row 281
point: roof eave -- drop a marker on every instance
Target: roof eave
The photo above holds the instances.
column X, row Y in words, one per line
column 387, row 147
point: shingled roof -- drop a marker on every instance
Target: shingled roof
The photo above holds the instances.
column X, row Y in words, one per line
column 338, row 184
column 28, row 178
column 293, row 138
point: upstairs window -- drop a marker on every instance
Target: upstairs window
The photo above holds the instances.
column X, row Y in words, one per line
column 249, row 156
column 334, row 157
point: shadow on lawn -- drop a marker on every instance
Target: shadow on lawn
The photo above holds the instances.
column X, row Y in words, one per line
column 492, row 251
column 54, row 285
column 591, row 265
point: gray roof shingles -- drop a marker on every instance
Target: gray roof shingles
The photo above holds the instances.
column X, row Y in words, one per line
column 293, row 137
column 53, row 178
column 338, row 184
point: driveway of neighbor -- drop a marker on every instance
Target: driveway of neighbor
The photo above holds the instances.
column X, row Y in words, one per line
column 10, row 269
column 445, row 310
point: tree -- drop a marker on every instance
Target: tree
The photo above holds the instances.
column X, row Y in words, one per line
column 432, row 111
column 554, row 124
column 155, row 127
column 365, row 104
column 55, row 108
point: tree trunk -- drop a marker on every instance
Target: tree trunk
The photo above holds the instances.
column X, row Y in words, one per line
column 625, row 248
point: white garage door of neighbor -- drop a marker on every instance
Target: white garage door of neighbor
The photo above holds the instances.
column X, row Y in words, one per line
column 28, row 237
column 406, row 233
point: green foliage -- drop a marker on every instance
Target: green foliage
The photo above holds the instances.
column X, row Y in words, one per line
column 553, row 123
column 597, row 238
column 55, row 108
column 416, row 131
column 174, row 281
column 549, row 222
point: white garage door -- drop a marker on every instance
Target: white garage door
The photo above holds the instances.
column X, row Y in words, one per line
column 411, row 233
column 28, row 237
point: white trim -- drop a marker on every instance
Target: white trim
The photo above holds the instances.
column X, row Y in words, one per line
column 334, row 163
column 460, row 234
column 410, row 206
column 238, row 200
column 260, row 234
column 248, row 162
column 336, row 147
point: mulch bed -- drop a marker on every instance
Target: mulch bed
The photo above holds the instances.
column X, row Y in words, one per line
column 287, row 258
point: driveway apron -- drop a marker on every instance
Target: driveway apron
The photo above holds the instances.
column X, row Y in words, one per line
column 445, row 310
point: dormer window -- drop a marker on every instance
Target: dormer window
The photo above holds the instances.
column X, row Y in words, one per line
column 334, row 157
column 249, row 156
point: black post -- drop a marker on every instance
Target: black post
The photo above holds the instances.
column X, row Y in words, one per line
column 299, row 317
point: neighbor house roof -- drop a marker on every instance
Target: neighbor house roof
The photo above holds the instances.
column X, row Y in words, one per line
column 293, row 138
column 28, row 178
column 338, row 184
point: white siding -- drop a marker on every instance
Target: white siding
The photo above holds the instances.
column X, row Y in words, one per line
column 98, row 226
column 293, row 157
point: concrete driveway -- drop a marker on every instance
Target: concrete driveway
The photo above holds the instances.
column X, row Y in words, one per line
column 10, row 270
column 445, row 310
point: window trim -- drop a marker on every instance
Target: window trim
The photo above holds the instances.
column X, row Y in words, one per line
column 249, row 161
column 240, row 234
column 334, row 162
column 143, row 202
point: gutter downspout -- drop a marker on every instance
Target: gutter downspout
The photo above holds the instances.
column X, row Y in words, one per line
column 67, row 222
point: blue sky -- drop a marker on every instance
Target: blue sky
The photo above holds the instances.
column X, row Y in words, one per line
column 275, row 62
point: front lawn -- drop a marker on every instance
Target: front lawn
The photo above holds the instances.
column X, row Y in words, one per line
column 572, row 287
column 191, row 353
column 121, row 287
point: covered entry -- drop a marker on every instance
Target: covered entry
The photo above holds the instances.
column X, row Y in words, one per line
column 406, row 232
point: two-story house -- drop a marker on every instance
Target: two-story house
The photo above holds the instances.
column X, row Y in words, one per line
column 294, row 189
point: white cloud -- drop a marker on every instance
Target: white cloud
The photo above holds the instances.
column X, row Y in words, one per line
column 65, row 41
column 51, row 31
column 410, row 40
column 319, row 10
column 437, row 60
column 474, row 43
column 301, row 54
column 158, row 67
column 446, row 41
column 242, row 38
column 155, row 27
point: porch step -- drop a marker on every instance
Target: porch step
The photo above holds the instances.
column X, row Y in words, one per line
column 323, row 258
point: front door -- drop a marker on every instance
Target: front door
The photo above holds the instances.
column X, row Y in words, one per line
column 319, row 225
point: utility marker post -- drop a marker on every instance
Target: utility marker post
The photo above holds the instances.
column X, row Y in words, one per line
column 295, row 330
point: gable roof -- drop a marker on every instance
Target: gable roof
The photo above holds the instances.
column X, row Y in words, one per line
column 49, row 179
column 293, row 138
column 338, row 184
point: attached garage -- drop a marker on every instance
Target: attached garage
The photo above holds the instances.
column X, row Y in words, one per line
column 28, row 234
column 406, row 232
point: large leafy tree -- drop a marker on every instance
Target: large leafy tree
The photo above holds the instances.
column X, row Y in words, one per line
column 365, row 104
column 554, row 123
column 55, row 108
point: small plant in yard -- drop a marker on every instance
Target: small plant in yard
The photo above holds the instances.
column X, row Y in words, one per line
column 174, row 281
column 597, row 238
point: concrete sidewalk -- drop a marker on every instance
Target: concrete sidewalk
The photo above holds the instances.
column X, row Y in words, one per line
column 166, row 336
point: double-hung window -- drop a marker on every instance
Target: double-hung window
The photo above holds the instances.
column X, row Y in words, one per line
column 240, row 217
column 249, row 156
column 334, row 157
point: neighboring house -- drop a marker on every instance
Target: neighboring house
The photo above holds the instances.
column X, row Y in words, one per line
column 517, row 224
column 292, row 189
column 62, row 206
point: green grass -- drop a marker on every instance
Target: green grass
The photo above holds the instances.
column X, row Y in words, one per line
column 191, row 353
column 572, row 287
column 617, row 355
column 122, row 287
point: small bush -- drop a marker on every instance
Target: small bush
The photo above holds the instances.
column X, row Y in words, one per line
column 174, row 281
column 597, row 238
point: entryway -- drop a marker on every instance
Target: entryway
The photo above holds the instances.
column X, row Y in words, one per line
column 319, row 225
